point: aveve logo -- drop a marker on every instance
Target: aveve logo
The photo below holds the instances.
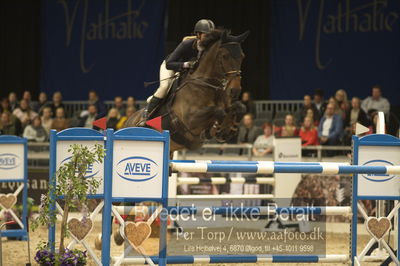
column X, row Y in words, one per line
column 91, row 170
column 137, row 169
column 9, row 161
column 378, row 177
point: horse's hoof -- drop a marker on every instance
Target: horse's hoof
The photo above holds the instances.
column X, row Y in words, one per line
column 118, row 239
column 97, row 242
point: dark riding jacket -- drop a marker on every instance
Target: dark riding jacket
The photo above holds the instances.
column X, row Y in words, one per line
column 186, row 51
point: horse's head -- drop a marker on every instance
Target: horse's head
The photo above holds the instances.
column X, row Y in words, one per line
column 230, row 57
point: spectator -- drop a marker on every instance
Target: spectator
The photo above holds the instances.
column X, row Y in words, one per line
column 355, row 114
column 119, row 104
column 289, row 129
column 131, row 102
column 7, row 126
column 24, row 113
column 57, row 102
column 13, row 100
column 42, row 102
column 330, row 127
column 5, row 106
column 129, row 111
column 337, row 110
column 248, row 103
column 342, row 100
column 376, row 102
column 264, row 143
column 248, row 132
column 373, row 126
column 307, row 105
column 88, row 119
column 47, row 120
column 311, row 115
column 113, row 118
column 35, row 131
column 308, row 133
column 100, row 106
column 60, row 122
column 319, row 102
column 27, row 96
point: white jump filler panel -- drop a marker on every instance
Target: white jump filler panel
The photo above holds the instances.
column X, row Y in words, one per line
column 12, row 161
column 93, row 171
column 138, row 175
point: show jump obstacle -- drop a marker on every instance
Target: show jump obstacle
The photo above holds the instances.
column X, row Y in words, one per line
column 376, row 169
column 14, row 168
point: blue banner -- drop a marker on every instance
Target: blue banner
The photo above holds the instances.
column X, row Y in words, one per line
column 109, row 46
column 335, row 44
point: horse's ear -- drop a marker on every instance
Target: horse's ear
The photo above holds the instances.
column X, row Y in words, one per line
column 242, row 37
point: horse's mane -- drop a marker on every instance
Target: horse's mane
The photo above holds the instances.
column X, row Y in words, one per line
column 212, row 37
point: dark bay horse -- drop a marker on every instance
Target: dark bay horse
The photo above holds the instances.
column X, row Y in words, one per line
column 206, row 103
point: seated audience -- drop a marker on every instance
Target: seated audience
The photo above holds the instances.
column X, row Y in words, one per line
column 60, row 122
column 13, row 100
column 248, row 103
column 42, row 103
column 289, row 129
column 129, row 111
column 307, row 105
column 319, row 102
column 342, row 100
column 355, row 115
column 308, row 133
column 374, row 124
column 131, row 102
column 7, row 126
column 248, row 132
column 330, row 127
column 94, row 100
column 376, row 102
column 35, row 131
column 119, row 104
column 27, row 96
column 47, row 118
column 24, row 113
column 336, row 108
column 5, row 106
column 57, row 102
column 264, row 143
column 113, row 118
column 311, row 115
column 88, row 119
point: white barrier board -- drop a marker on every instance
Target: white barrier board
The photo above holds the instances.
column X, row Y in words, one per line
column 137, row 169
column 12, row 161
column 93, row 171
column 378, row 184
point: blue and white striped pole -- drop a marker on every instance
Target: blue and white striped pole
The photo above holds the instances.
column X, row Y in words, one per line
column 271, row 167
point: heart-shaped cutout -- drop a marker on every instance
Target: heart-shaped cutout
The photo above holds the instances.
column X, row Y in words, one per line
column 137, row 233
column 378, row 227
column 7, row 201
column 80, row 229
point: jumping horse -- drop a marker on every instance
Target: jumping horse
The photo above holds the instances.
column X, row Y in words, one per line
column 205, row 105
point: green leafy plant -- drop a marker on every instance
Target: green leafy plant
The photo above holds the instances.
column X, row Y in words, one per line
column 72, row 187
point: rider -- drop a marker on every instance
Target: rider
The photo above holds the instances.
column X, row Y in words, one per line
column 182, row 58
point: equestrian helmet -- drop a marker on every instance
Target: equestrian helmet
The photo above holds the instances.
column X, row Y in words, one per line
column 204, row 26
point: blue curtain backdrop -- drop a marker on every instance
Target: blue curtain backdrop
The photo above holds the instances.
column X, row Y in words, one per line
column 335, row 44
column 109, row 46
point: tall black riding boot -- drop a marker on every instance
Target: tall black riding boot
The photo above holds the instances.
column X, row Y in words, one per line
column 154, row 102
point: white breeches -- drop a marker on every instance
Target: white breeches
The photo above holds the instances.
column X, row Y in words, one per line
column 165, row 82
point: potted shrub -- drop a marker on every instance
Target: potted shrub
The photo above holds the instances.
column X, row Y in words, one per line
column 74, row 187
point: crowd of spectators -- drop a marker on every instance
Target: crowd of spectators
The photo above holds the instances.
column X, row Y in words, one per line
column 316, row 122
column 34, row 119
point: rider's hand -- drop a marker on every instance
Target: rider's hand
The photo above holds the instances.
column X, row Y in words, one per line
column 189, row 64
